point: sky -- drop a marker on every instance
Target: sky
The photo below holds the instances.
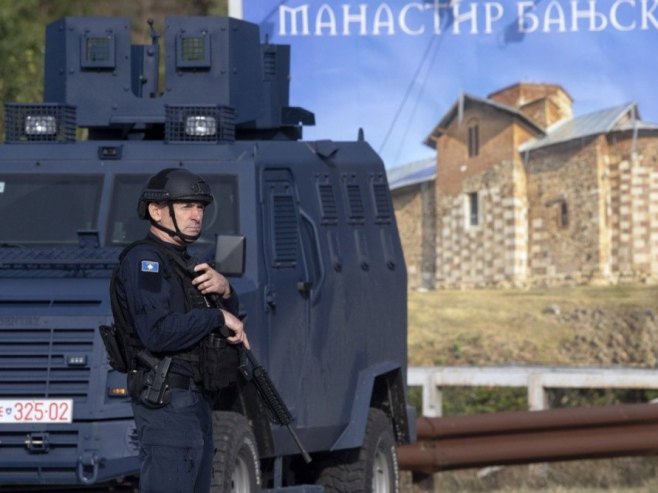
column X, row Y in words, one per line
column 394, row 68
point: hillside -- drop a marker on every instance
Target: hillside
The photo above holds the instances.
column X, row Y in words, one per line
column 579, row 326
column 562, row 326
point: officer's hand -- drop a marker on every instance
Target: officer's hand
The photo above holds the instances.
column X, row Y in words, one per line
column 210, row 281
column 235, row 325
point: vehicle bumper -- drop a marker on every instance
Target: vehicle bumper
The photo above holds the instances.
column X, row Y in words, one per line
column 76, row 453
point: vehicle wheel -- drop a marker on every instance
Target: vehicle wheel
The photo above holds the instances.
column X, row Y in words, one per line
column 236, row 467
column 371, row 468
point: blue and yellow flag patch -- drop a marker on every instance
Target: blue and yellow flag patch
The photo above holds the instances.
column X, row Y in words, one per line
column 150, row 266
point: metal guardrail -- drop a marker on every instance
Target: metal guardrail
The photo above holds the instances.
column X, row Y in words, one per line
column 537, row 379
column 523, row 437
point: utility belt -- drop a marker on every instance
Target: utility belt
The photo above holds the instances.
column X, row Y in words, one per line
column 217, row 369
column 176, row 381
column 145, row 386
column 215, row 365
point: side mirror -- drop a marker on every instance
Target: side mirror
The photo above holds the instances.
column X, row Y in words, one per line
column 230, row 254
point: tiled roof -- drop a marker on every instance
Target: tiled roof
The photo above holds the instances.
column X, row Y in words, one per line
column 411, row 174
column 595, row 123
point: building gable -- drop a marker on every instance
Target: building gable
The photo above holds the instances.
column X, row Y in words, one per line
column 467, row 101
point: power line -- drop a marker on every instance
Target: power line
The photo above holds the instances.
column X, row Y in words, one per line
column 446, row 12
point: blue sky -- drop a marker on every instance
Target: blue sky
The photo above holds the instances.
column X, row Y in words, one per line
column 397, row 85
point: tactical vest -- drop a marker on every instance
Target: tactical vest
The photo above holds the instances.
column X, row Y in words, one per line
column 193, row 299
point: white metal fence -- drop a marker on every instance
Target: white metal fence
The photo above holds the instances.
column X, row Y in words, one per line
column 537, row 379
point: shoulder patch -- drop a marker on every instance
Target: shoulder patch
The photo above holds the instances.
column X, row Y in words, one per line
column 150, row 266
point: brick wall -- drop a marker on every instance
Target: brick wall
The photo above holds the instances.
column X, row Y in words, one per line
column 545, row 104
column 496, row 145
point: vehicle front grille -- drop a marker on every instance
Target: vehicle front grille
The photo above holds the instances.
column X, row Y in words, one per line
column 39, row 357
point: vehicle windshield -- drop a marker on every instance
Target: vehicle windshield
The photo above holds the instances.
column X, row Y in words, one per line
column 47, row 208
column 220, row 217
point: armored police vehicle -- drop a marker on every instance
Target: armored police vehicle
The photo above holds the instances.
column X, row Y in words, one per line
column 305, row 231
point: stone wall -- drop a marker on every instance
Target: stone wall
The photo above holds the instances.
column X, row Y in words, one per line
column 564, row 214
column 493, row 253
column 633, row 209
column 408, row 212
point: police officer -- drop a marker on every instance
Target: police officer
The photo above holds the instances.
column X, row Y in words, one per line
column 165, row 306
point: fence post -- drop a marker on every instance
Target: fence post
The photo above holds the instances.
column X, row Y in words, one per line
column 432, row 397
column 537, row 399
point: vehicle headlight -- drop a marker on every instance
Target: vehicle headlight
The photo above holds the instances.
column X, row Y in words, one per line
column 202, row 126
column 40, row 125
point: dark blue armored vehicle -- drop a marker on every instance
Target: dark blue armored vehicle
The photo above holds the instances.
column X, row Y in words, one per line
column 306, row 230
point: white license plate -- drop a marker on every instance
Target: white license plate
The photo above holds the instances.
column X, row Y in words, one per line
column 36, row 411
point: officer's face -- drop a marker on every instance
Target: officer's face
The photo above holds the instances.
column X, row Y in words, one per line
column 189, row 217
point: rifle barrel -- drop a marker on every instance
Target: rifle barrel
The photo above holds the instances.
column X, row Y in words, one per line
column 272, row 399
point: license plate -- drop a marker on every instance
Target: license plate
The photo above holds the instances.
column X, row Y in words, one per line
column 36, row 411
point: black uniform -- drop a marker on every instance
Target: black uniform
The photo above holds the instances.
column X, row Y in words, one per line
column 176, row 446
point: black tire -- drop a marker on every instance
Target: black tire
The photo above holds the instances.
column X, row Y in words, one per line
column 371, row 468
column 236, row 467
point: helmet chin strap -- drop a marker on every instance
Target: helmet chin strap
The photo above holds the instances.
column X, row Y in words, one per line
column 177, row 232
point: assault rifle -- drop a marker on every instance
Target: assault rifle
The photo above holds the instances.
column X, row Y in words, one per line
column 279, row 412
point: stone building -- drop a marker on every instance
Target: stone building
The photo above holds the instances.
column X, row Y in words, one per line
column 528, row 194
column 413, row 192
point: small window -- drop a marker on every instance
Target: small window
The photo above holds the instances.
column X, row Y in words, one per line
column 193, row 51
column 473, row 209
column 564, row 214
column 473, row 139
column 559, row 211
column 98, row 51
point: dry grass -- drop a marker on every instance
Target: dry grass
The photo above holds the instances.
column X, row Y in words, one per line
column 606, row 475
column 481, row 327
column 478, row 327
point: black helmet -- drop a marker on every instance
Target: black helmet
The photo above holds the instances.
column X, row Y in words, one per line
column 173, row 185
